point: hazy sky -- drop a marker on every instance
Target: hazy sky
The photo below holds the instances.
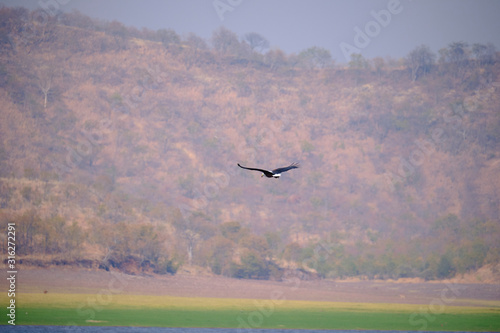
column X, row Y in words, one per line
column 370, row 27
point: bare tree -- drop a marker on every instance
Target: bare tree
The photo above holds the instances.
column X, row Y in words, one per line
column 379, row 63
column 358, row 62
column 119, row 33
column 169, row 38
column 193, row 229
column 45, row 80
column 194, row 46
column 256, row 41
column 458, row 52
column 275, row 59
column 420, row 61
column 225, row 41
column 485, row 54
column 456, row 58
column 315, row 57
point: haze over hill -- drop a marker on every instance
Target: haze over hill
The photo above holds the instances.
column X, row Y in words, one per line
column 374, row 27
column 120, row 147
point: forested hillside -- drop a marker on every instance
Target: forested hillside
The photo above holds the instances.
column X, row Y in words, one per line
column 119, row 148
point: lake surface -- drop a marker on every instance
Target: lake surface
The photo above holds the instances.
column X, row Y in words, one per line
column 104, row 329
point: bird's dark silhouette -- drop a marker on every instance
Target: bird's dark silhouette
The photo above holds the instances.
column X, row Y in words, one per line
column 276, row 173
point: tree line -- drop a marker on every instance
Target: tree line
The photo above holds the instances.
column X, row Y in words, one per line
column 52, row 239
column 252, row 48
column 451, row 247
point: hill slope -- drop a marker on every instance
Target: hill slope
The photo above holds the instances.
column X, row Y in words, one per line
column 128, row 147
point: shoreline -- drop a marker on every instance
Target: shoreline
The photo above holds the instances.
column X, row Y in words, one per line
column 81, row 280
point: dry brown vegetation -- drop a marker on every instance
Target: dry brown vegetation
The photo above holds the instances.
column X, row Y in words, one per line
column 120, row 146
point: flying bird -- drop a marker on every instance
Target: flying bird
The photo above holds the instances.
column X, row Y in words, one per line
column 276, row 173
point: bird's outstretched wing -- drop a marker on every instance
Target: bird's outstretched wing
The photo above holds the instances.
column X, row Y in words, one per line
column 261, row 170
column 291, row 166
